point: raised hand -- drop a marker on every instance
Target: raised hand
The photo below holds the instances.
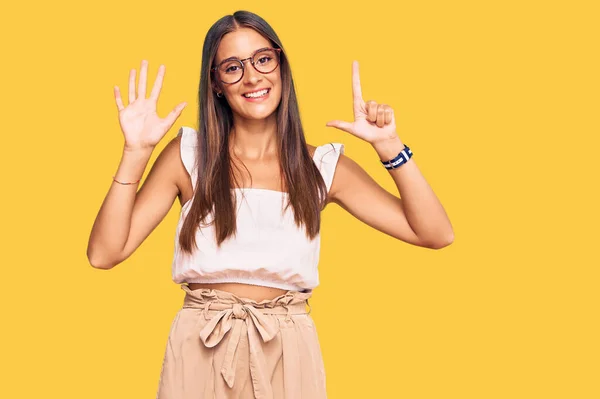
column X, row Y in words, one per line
column 141, row 125
column 373, row 122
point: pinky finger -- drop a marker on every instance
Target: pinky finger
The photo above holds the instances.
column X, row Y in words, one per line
column 118, row 99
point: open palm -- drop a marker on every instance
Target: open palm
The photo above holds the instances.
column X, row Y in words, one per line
column 372, row 122
column 141, row 125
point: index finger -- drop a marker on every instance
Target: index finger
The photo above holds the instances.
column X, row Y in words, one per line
column 356, row 89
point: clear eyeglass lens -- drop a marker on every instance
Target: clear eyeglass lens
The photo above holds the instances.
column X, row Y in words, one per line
column 264, row 61
column 231, row 71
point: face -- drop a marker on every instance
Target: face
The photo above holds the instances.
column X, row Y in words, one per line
column 242, row 44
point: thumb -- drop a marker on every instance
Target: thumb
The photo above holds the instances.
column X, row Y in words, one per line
column 174, row 114
column 345, row 126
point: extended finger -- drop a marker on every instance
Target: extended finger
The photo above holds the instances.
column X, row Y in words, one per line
column 356, row 89
column 380, row 115
column 371, row 107
column 389, row 115
column 158, row 83
column 118, row 98
column 142, row 82
column 132, row 86
column 174, row 114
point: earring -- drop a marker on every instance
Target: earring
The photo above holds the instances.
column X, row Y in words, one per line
column 219, row 94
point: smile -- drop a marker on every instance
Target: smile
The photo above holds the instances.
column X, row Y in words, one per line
column 256, row 94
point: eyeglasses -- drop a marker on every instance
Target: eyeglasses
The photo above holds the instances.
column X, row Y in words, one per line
column 264, row 60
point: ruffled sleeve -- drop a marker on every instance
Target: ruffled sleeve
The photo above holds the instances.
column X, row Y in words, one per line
column 189, row 142
column 326, row 158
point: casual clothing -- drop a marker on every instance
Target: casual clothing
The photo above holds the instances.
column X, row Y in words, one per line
column 268, row 249
column 222, row 346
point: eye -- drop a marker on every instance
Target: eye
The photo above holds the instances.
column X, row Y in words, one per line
column 264, row 59
column 231, row 68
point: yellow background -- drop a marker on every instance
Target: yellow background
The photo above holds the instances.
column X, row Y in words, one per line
column 499, row 102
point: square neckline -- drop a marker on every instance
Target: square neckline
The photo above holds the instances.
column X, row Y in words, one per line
column 268, row 190
column 192, row 134
column 259, row 189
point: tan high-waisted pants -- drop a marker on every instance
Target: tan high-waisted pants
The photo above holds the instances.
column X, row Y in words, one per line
column 223, row 346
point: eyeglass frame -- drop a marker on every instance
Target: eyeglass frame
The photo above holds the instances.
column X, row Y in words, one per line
column 251, row 59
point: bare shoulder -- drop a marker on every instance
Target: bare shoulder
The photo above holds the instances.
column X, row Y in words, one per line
column 311, row 149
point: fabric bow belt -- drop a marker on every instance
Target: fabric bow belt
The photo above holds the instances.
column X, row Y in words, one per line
column 231, row 317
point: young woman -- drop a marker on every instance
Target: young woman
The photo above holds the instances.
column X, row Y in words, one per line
column 251, row 189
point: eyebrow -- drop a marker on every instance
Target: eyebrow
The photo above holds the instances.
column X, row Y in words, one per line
column 236, row 58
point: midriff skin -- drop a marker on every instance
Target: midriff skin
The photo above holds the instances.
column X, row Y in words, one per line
column 254, row 292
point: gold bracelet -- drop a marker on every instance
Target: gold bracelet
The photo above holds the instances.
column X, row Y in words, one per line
column 125, row 184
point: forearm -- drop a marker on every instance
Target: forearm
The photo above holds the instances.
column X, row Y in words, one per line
column 423, row 210
column 112, row 225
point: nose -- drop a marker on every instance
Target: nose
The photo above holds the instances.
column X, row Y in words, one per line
column 251, row 75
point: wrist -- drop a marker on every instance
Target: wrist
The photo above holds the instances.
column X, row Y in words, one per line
column 388, row 148
column 137, row 152
column 132, row 165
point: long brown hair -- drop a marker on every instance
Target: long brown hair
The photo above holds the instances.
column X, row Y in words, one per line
column 213, row 192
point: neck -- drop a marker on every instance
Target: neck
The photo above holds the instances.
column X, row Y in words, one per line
column 254, row 139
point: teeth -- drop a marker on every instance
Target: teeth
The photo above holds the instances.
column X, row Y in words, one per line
column 257, row 94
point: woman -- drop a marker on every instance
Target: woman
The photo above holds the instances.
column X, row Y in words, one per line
column 251, row 189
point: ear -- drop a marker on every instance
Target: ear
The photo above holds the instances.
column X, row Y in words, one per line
column 216, row 86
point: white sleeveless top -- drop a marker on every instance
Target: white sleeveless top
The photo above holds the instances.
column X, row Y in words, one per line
column 268, row 250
